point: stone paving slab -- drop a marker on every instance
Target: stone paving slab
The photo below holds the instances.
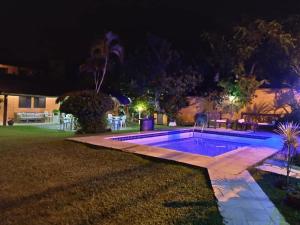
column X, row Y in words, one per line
column 240, row 161
column 278, row 170
column 241, row 200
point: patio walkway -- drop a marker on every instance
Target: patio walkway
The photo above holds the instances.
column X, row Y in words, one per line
column 241, row 201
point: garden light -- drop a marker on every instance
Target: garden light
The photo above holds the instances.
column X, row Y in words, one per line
column 139, row 108
column 231, row 98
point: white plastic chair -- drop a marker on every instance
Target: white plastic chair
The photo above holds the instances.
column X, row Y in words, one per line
column 116, row 123
column 110, row 119
column 123, row 121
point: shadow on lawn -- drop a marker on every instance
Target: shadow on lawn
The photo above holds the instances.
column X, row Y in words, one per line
column 95, row 215
column 181, row 204
column 191, row 217
column 6, row 204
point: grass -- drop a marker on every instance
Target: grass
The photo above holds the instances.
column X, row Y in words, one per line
column 47, row 180
column 267, row 181
column 134, row 127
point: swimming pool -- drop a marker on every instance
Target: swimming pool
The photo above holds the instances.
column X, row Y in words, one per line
column 201, row 146
column 208, row 143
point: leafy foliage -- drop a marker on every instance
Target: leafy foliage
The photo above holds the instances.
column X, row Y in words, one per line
column 159, row 74
column 101, row 56
column 259, row 48
column 239, row 92
column 176, row 89
column 290, row 132
column 143, row 102
column 287, row 100
column 259, row 108
column 89, row 108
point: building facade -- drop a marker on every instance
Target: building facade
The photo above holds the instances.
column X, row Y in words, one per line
column 23, row 95
column 27, row 104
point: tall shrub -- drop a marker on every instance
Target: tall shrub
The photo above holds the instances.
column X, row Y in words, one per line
column 89, row 108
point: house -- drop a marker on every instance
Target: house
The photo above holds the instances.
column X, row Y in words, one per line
column 25, row 98
column 6, row 69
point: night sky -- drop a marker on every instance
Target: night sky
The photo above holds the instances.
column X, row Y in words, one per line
column 36, row 31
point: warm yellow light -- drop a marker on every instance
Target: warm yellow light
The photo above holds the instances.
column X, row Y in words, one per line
column 231, row 98
column 140, row 108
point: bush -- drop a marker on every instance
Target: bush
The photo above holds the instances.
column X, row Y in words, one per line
column 294, row 116
column 293, row 198
column 55, row 112
column 89, row 108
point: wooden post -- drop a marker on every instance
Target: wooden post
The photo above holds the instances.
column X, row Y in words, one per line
column 5, row 111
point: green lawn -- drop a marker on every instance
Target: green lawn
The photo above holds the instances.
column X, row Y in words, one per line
column 134, row 127
column 267, row 182
column 47, row 180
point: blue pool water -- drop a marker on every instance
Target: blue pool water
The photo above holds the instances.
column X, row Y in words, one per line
column 201, row 146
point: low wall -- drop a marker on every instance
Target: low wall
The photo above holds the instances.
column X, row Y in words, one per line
column 263, row 97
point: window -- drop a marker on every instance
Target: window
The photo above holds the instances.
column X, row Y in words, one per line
column 39, row 102
column 24, row 101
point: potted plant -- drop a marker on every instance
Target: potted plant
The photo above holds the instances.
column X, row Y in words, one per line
column 289, row 132
column 56, row 113
column 10, row 122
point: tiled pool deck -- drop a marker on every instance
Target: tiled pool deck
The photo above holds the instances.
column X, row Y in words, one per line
column 240, row 199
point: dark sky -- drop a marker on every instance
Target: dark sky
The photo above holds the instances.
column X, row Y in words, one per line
column 39, row 30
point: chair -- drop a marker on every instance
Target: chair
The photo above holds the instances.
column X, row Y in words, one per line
column 109, row 119
column 65, row 120
column 216, row 119
column 256, row 120
column 116, row 123
column 48, row 117
column 123, row 121
column 69, row 121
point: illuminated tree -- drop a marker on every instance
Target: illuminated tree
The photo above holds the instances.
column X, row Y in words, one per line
column 239, row 92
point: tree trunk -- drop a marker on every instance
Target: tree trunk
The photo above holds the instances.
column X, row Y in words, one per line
column 5, row 110
column 288, row 166
column 252, row 69
column 103, row 73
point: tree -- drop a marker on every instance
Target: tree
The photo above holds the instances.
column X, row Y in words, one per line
column 158, row 72
column 239, row 92
column 101, row 54
column 261, row 48
column 147, row 65
column 175, row 90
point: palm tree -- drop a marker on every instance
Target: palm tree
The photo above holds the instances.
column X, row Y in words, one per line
column 101, row 54
column 290, row 132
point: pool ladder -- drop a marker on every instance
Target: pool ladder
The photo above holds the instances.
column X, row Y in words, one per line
column 201, row 128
